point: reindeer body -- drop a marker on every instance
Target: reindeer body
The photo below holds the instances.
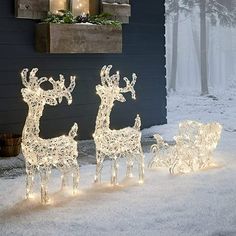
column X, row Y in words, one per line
column 46, row 150
column 111, row 138
column 116, row 143
column 42, row 154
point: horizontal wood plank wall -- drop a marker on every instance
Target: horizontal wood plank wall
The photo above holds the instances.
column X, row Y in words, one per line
column 143, row 53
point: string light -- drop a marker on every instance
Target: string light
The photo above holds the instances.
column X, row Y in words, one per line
column 80, row 7
column 193, row 150
column 42, row 154
column 116, row 143
column 77, row 7
column 56, row 5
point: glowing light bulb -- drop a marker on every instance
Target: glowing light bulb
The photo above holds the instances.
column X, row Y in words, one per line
column 56, row 5
column 80, row 7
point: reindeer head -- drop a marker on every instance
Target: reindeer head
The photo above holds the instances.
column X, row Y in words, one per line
column 109, row 89
column 33, row 94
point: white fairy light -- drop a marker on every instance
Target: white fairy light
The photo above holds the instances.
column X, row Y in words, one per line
column 115, row 144
column 42, row 154
column 56, row 6
column 80, row 7
column 193, row 150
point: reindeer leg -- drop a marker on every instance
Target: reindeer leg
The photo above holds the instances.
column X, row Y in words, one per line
column 130, row 164
column 76, row 177
column 65, row 171
column 30, row 171
column 100, row 159
column 63, row 181
column 114, row 171
column 141, row 166
column 64, row 178
column 45, row 174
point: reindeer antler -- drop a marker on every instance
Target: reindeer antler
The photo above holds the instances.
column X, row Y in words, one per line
column 59, row 90
column 130, row 86
column 108, row 80
column 33, row 81
column 24, row 74
column 113, row 81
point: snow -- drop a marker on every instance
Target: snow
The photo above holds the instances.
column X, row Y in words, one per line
column 202, row 203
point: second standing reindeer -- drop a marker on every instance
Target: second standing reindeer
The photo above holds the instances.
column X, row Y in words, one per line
column 116, row 143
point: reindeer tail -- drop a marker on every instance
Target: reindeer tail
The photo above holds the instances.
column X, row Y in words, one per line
column 158, row 138
column 137, row 124
column 73, row 131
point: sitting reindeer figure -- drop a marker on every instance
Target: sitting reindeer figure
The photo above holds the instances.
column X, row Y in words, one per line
column 116, row 143
column 163, row 153
column 42, row 154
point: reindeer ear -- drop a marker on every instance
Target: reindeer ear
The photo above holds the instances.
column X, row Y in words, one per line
column 120, row 98
column 24, row 74
column 98, row 88
column 23, row 92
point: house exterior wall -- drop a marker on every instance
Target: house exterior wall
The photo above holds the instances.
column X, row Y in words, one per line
column 143, row 53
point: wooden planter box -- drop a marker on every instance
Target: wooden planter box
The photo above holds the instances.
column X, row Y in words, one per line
column 117, row 1
column 78, row 38
column 120, row 10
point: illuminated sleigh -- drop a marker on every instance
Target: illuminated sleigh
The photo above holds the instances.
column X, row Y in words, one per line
column 193, row 150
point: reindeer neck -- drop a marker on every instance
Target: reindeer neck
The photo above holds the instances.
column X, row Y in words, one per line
column 103, row 117
column 31, row 128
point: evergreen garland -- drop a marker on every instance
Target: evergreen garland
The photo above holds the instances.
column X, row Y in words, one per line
column 66, row 17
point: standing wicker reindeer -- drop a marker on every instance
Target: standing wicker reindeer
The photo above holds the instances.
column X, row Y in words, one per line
column 42, row 154
column 116, row 143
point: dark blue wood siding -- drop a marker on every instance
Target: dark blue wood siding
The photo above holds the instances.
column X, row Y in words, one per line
column 143, row 53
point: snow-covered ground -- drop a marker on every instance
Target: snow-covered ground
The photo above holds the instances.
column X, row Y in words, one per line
column 202, row 203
